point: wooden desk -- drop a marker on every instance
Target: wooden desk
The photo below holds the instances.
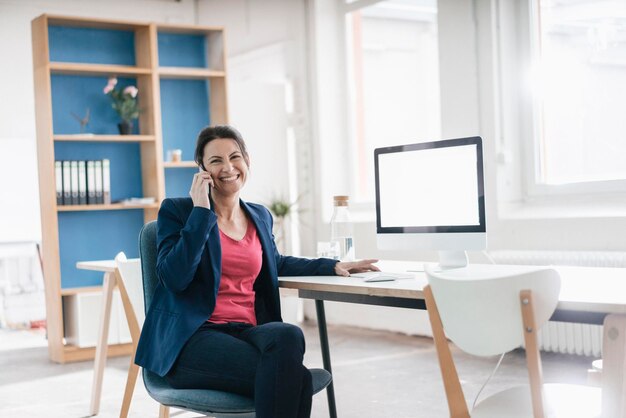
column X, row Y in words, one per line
column 588, row 295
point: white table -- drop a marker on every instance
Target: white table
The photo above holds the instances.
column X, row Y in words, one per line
column 588, row 295
column 109, row 282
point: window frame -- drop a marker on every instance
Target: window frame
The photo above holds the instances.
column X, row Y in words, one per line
column 361, row 210
column 534, row 188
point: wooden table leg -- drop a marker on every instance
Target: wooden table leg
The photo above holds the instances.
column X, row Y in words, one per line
column 614, row 367
column 133, row 327
column 108, row 285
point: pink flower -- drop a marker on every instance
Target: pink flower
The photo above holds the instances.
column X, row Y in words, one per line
column 132, row 91
column 110, row 86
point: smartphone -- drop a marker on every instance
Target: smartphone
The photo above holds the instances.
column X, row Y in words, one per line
column 202, row 169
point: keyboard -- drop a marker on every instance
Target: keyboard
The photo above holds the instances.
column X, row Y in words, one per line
column 382, row 276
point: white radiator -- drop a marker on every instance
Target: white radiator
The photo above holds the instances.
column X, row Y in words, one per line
column 560, row 337
column 22, row 300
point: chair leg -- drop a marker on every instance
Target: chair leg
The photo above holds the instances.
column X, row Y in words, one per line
column 131, row 380
column 164, row 411
column 613, row 366
column 533, row 359
column 451, row 383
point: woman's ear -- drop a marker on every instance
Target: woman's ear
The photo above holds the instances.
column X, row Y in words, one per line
column 246, row 158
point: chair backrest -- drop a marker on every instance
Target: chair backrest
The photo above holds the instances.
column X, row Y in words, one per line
column 480, row 306
column 148, row 255
column 130, row 272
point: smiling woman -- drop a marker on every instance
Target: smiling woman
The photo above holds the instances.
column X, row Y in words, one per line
column 215, row 320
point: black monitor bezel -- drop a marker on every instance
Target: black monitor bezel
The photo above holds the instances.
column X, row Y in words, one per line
column 481, row 227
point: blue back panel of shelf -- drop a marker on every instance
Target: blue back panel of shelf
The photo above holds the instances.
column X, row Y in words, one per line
column 95, row 235
column 125, row 160
column 74, row 94
column 181, row 50
column 98, row 235
column 178, row 181
column 185, row 111
column 93, row 46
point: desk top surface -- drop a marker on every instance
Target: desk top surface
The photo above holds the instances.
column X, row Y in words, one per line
column 586, row 289
column 105, row 266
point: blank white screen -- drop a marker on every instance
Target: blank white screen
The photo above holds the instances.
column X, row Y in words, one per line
column 429, row 187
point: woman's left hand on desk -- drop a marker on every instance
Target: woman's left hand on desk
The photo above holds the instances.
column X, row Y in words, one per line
column 344, row 268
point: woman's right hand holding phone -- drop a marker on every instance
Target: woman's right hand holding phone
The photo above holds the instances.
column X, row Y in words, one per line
column 200, row 189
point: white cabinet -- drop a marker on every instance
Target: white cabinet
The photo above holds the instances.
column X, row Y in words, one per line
column 81, row 319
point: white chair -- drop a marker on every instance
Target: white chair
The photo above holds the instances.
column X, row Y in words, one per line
column 492, row 311
column 129, row 282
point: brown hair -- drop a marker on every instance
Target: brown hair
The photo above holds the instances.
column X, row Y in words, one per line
column 211, row 133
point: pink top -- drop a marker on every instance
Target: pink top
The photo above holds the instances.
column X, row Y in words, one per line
column 241, row 264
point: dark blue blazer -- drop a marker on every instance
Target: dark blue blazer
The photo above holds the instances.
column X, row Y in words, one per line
column 189, row 267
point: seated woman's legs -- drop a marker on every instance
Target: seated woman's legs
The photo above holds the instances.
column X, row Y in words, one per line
column 283, row 386
column 262, row 362
column 215, row 357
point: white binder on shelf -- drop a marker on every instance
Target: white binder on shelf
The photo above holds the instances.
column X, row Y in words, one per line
column 67, row 184
column 106, row 181
column 91, row 182
column 58, row 178
column 82, row 183
column 98, row 181
column 74, row 181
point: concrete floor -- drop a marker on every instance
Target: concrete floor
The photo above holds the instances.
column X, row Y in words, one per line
column 377, row 374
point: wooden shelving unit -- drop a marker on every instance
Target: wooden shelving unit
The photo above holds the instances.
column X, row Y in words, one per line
column 73, row 58
column 190, row 73
column 112, row 206
column 104, row 138
column 201, row 76
column 96, row 69
column 76, row 290
column 179, row 164
column 72, row 353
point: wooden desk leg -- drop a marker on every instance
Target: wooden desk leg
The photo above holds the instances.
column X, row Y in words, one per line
column 102, row 344
column 321, row 326
column 614, row 367
column 133, row 327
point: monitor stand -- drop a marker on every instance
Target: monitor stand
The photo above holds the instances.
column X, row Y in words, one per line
column 452, row 259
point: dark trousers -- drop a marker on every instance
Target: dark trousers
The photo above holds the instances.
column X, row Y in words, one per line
column 263, row 362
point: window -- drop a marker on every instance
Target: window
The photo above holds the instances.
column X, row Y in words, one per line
column 393, row 77
column 579, row 74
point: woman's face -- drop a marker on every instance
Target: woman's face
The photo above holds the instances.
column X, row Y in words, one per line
column 225, row 162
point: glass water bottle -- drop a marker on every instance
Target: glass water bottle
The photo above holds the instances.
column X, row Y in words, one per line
column 341, row 228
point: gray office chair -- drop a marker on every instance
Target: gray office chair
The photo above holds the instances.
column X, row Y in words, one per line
column 212, row 402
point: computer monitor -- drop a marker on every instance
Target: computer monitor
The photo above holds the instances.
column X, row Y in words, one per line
column 431, row 196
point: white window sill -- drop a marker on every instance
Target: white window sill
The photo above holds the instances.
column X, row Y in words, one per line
column 565, row 207
column 562, row 207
